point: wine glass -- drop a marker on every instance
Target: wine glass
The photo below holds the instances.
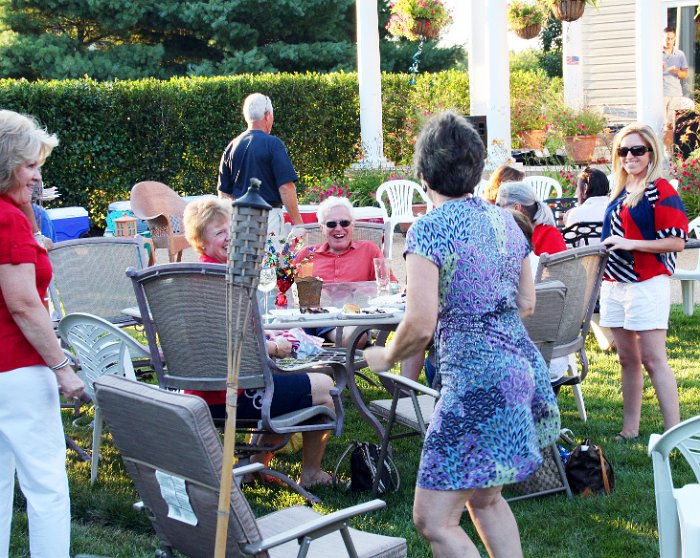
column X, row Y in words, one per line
column 268, row 279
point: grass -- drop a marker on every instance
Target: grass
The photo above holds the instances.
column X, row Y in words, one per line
column 623, row 524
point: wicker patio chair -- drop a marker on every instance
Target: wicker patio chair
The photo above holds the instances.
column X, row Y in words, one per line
column 413, row 404
column 581, row 270
column 173, row 454
column 183, row 309
column 88, row 276
column 376, row 232
column 162, row 209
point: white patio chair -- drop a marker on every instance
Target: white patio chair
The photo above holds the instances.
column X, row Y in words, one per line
column 544, row 187
column 687, row 277
column 102, row 348
column 677, row 509
column 400, row 194
column 481, row 188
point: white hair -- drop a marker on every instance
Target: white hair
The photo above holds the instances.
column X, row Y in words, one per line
column 511, row 193
column 256, row 106
column 329, row 203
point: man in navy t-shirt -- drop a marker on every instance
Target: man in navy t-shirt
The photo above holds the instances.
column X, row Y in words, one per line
column 257, row 154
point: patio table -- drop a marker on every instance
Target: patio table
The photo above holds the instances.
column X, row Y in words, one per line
column 336, row 295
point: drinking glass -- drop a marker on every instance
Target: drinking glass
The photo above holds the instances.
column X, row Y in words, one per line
column 382, row 275
column 268, row 279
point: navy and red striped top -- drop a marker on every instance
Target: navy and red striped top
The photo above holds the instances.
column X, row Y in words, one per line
column 659, row 214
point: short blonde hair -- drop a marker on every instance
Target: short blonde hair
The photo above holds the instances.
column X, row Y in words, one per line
column 199, row 214
column 654, row 171
column 502, row 174
column 21, row 139
column 329, row 203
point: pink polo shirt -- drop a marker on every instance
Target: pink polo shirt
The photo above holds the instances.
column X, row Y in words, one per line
column 349, row 267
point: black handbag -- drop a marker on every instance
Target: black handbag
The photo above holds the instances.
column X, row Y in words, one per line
column 588, row 471
column 363, row 468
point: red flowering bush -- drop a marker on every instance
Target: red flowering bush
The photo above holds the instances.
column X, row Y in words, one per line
column 688, row 175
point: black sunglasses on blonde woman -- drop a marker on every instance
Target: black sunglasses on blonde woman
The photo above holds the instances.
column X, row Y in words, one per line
column 636, row 150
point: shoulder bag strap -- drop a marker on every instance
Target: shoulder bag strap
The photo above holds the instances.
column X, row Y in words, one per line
column 606, row 482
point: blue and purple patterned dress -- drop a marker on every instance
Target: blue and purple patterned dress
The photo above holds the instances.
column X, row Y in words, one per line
column 497, row 408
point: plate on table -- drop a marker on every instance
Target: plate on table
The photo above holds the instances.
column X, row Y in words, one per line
column 397, row 300
column 371, row 313
column 296, row 315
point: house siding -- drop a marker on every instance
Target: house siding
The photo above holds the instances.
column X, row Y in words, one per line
column 608, row 47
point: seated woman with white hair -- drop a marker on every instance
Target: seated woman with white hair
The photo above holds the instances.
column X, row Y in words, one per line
column 546, row 238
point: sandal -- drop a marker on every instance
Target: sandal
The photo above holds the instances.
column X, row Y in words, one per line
column 623, row 439
column 327, row 481
column 262, row 478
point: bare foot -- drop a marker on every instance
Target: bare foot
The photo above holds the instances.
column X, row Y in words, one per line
column 318, row 479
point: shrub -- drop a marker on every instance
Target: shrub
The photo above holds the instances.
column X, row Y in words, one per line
column 688, row 175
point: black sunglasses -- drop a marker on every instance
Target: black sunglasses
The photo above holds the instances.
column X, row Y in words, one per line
column 333, row 224
column 636, row 150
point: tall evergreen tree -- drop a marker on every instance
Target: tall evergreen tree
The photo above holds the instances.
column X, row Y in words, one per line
column 128, row 39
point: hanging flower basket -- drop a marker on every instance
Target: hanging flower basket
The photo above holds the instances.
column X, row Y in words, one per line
column 529, row 32
column 424, row 28
column 568, row 10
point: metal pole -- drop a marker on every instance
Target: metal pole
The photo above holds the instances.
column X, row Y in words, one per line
column 245, row 250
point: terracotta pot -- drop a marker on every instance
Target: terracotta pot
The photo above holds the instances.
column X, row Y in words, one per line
column 531, row 139
column 425, row 28
column 529, row 32
column 580, row 148
column 568, row 10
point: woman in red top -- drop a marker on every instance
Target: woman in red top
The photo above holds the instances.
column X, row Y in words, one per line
column 645, row 226
column 33, row 368
column 546, row 238
column 207, row 226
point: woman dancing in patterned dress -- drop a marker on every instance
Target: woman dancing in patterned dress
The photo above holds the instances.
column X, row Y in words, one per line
column 470, row 282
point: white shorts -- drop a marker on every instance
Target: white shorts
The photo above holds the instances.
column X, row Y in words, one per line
column 636, row 306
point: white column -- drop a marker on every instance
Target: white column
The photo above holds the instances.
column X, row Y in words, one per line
column 498, row 113
column 370, row 84
column 648, row 43
column 572, row 64
column 478, row 59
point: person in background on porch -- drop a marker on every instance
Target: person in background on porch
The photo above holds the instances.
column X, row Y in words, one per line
column 592, row 190
column 645, row 226
column 257, row 154
column 207, row 228
column 675, row 68
column 33, row 368
column 469, row 284
column 546, row 238
column 502, row 174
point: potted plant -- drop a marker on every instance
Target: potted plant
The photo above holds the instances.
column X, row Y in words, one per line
column 579, row 129
column 527, row 124
column 418, row 19
column 569, row 10
column 525, row 18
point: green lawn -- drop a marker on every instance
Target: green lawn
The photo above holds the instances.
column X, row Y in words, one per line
column 623, row 524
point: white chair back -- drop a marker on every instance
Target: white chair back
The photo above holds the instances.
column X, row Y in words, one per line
column 481, row 188
column 677, row 509
column 400, row 194
column 544, row 187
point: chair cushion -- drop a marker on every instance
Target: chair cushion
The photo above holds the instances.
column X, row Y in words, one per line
column 331, row 545
column 405, row 412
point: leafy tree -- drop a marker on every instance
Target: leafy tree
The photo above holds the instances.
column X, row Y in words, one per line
column 552, row 49
column 127, row 39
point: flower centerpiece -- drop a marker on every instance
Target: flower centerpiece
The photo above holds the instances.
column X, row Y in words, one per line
column 418, row 19
column 579, row 129
column 525, row 18
column 687, row 172
column 280, row 256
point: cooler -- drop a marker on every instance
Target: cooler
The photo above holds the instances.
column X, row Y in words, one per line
column 69, row 222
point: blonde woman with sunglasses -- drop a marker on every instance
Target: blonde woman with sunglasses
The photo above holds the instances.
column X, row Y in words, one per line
column 645, row 226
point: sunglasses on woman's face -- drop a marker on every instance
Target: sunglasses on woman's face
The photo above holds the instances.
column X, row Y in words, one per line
column 636, row 150
column 333, row 224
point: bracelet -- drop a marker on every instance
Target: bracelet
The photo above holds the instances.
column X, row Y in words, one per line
column 64, row 362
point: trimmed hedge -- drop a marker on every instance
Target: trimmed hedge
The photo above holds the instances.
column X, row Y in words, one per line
column 114, row 134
